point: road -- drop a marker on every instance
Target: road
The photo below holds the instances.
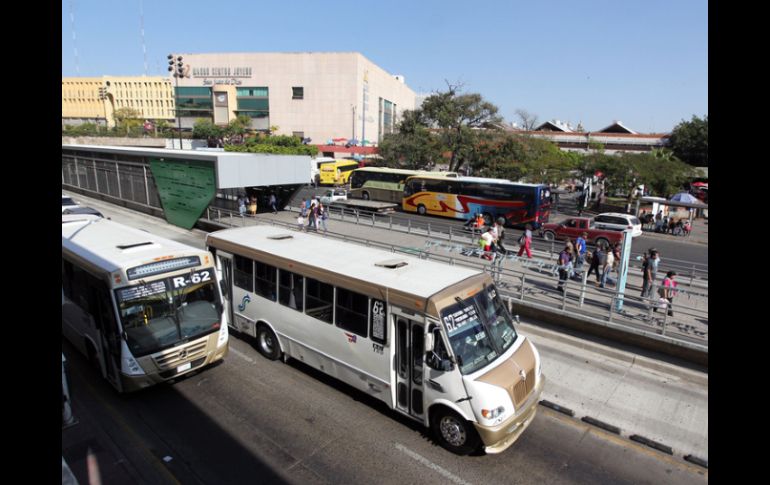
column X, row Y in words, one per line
column 671, row 248
column 250, row 419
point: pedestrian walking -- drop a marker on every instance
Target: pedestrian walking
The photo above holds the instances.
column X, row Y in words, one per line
column 525, row 241
column 242, row 204
column 608, row 266
column 654, row 264
column 311, row 215
column 253, row 205
column 323, row 214
column 565, row 267
column 272, row 203
column 668, row 291
column 303, row 210
column 646, row 276
column 580, row 252
column 500, row 232
column 598, row 260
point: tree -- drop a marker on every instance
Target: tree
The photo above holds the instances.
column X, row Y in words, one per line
column 413, row 146
column 690, row 141
column 205, row 129
column 528, row 120
column 127, row 118
column 456, row 117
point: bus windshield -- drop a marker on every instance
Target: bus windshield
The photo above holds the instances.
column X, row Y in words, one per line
column 162, row 313
column 480, row 329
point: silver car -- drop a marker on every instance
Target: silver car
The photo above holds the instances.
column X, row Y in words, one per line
column 616, row 221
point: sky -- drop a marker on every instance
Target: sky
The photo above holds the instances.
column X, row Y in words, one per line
column 641, row 62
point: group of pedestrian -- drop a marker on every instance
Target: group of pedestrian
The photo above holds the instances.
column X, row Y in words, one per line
column 491, row 239
column 249, row 204
column 604, row 260
column 314, row 213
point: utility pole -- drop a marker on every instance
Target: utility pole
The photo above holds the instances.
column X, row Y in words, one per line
column 177, row 66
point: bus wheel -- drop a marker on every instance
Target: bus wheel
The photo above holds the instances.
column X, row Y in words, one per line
column 421, row 210
column 365, row 195
column 267, row 343
column 453, row 432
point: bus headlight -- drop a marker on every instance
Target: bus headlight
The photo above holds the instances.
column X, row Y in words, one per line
column 129, row 366
column 222, row 339
column 492, row 413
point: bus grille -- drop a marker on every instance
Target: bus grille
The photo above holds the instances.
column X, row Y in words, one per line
column 176, row 357
column 522, row 388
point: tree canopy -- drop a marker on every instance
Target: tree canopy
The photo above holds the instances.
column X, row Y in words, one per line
column 690, row 141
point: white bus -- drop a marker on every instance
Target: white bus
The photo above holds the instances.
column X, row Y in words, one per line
column 433, row 341
column 142, row 308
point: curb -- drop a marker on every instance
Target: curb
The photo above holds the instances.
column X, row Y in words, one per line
column 634, row 437
column 558, row 408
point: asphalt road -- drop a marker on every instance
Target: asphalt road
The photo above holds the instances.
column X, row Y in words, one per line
column 252, row 420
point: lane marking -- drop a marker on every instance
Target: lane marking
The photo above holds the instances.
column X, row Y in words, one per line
column 242, row 355
column 431, row 465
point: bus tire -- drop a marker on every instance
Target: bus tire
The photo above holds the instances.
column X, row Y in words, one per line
column 549, row 236
column 421, row 210
column 267, row 343
column 453, row 432
column 365, row 195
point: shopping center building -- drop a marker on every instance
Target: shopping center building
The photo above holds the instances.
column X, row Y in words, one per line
column 319, row 96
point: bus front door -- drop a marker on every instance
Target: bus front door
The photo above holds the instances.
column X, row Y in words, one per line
column 226, row 283
column 410, row 344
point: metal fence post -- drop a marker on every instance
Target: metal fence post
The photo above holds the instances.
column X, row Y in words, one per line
column 669, row 308
column 692, row 274
column 146, row 185
column 564, row 295
column 372, row 219
column 450, row 233
column 583, row 289
column 390, row 223
column 612, row 305
column 409, row 227
column 357, row 214
column 429, row 229
column 523, row 280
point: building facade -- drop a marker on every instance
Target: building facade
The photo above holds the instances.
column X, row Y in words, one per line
column 95, row 99
column 322, row 96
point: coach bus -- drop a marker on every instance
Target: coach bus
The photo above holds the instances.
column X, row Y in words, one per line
column 464, row 197
column 142, row 308
column 432, row 341
column 385, row 184
column 337, row 172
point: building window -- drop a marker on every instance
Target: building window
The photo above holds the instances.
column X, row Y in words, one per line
column 254, row 102
column 298, row 92
column 194, row 102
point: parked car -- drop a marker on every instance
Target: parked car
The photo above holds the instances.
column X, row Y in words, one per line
column 575, row 226
column 67, row 203
column 333, row 195
column 616, row 221
column 82, row 210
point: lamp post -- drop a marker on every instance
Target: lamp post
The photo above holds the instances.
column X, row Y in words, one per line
column 177, row 66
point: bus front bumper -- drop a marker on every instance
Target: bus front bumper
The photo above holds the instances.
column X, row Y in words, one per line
column 498, row 438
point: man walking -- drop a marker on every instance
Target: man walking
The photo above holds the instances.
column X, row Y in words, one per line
column 565, row 265
column 580, row 249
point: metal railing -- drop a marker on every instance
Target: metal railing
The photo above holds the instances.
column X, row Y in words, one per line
column 534, row 282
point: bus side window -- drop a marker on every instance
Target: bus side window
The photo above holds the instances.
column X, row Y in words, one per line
column 244, row 273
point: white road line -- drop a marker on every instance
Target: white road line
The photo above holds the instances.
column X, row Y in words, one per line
column 431, row 465
column 241, row 355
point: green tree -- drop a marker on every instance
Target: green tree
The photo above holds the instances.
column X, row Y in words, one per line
column 690, row 141
column 457, row 118
column 413, row 146
column 205, row 129
column 128, row 119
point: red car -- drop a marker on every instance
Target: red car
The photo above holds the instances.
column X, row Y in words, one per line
column 575, row 226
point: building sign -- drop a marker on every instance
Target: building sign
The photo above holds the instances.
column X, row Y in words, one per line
column 213, row 82
column 221, row 72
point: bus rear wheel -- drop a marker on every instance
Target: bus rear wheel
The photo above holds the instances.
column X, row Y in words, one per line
column 421, row 210
column 453, row 432
column 267, row 343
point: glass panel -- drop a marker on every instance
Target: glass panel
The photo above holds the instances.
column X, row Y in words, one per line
column 254, row 104
column 188, row 91
column 352, row 311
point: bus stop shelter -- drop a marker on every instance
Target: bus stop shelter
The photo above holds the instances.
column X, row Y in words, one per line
column 659, row 202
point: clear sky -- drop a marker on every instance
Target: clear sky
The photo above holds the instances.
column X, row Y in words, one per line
column 643, row 62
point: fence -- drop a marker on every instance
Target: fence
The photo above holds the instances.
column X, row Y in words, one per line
column 533, row 282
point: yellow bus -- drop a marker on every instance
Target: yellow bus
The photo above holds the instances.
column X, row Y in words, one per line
column 432, row 341
column 142, row 308
column 337, row 172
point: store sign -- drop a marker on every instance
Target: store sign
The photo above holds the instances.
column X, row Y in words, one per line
column 221, row 72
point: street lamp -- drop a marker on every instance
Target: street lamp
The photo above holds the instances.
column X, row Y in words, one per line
column 176, row 65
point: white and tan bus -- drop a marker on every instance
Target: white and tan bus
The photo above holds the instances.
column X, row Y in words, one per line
column 144, row 309
column 433, row 341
